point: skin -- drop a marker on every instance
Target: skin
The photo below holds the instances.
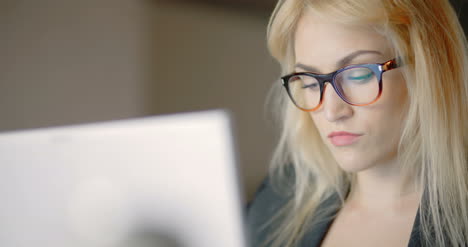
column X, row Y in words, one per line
column 379, row 211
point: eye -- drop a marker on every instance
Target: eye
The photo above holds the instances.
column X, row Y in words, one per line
column 307, row 82
column 313, row 86
column 358, row 75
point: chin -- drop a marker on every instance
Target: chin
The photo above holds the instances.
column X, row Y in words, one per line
column 352, row 165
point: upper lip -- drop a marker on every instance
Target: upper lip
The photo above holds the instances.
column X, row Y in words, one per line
column 342, row 133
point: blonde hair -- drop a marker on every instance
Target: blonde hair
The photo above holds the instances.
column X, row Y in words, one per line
column 433, row 148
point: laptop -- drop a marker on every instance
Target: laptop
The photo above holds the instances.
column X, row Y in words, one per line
column 168, row 181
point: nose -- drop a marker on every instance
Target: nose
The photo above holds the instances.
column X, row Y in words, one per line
column 334, row 108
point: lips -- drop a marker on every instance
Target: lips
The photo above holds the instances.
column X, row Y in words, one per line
column 343, row 138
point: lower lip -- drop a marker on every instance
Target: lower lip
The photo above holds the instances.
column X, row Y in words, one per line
column 344, row 140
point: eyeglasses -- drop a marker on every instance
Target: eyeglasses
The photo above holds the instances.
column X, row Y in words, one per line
column 357, row 85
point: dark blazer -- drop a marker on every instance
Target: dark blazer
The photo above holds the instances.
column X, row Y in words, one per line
column 267, row 202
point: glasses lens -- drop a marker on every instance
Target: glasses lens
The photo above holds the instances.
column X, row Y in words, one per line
column 358, row 85
column 304, row 91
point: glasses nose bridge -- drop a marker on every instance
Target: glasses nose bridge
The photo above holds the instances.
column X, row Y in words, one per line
column 327, row 78
column 330, row 79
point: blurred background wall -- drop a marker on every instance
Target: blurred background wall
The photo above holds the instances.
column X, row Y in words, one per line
column 69, row 61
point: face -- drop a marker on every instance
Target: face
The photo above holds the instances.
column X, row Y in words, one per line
column 320, row 47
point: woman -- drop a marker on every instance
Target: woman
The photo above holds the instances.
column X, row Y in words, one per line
column 374, row 113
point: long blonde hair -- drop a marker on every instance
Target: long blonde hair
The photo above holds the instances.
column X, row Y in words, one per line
column 433, row 148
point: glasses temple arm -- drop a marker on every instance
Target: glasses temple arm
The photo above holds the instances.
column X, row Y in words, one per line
column 392, row 64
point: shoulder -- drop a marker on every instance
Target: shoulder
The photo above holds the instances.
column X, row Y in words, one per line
column 269, row 202
column 265, row 205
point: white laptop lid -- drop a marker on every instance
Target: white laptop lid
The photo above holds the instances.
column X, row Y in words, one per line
column 121, row 184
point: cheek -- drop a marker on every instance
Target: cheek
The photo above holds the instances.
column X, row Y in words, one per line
column 320, row 123
column 385, row 119
column 391, row 108
column 394, row 91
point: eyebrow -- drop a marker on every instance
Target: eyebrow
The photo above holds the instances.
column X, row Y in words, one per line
column 342, row 62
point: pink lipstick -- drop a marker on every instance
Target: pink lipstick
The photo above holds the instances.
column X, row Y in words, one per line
column 343, row 138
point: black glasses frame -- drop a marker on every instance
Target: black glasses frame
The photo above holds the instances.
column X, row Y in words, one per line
column 378, row 69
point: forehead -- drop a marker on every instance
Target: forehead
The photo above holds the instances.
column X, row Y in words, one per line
column 321, row 43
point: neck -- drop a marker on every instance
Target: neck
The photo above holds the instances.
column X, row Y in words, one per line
column 382, row 187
